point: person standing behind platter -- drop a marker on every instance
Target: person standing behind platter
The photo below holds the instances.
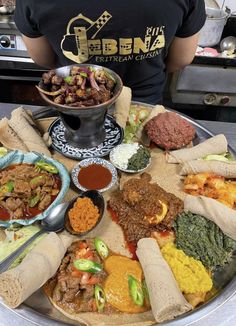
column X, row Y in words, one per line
column 140, row 40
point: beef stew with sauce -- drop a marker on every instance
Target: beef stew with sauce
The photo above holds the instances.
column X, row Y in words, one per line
column 26, row 190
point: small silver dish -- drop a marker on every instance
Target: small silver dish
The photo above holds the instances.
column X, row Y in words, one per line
column 113, row 160
column 89, row 161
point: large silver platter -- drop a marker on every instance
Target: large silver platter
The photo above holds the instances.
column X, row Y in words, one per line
column 38, row 310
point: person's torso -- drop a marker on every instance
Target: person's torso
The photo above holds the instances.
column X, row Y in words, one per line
column 131, row 37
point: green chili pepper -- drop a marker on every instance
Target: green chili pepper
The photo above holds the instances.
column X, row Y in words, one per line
column 109, row 76
column 136, row 291
column 87, row 265
column 8, row 187
column 34, row 201
column 83, row 74
column 36, row 180
column 145, row 292
column 99, row 297
column 101, row 248
column 42, row 165
column 68, row 79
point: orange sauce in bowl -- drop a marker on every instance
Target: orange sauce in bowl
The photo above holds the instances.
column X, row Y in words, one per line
column 94, row 177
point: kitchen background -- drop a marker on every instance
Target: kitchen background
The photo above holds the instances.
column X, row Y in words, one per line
column 229, row 3
column 206, row 89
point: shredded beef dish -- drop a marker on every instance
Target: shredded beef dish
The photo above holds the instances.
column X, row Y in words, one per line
column 138, row 206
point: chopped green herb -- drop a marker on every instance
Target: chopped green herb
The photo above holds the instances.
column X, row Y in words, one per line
column 139, row 160
column 203, row 240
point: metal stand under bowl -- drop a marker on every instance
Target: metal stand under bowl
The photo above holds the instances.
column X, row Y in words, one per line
column 86, row 129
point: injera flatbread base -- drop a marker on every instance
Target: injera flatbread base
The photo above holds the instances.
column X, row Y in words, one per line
column 96, row 319
column 112, row 233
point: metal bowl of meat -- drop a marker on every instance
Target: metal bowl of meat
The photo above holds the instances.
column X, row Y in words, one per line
column 31, row 185
column 84, row 212
column 82, row 94
column 80, row 87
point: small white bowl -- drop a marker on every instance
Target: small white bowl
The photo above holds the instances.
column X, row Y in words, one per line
column 94, row 160
column 113, row 159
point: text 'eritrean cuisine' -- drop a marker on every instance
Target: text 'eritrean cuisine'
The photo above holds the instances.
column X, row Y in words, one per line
column 26, row 190
column 83, row 87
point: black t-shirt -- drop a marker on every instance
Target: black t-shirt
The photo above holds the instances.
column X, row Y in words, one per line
column 131, row 37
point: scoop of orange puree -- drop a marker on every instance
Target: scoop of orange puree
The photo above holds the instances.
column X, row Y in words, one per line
column 116, row 285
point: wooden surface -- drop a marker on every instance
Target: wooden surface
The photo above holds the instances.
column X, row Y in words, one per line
column 223, row 316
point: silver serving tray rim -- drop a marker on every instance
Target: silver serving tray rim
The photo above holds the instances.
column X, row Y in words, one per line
column 28, row 313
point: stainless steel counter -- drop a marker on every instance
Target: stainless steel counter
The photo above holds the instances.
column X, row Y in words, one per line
column 223, row 316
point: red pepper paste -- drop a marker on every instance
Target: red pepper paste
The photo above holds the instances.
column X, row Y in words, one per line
column 94, row 177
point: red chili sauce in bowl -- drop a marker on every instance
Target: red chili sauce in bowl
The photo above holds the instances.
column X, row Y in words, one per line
column 94, row 177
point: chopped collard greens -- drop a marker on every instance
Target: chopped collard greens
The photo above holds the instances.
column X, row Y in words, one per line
column 203, row 239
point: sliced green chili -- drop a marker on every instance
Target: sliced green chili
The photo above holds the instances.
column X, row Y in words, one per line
column 99, row 297
column 87, row 265
column 109, row 76
column 34, row 201
column 101, row 248
column 36, row 180
column 136, row 291
column 68, row 79
column 8, row 187
column 83, row 74
column 145, row 292
column 42, row 165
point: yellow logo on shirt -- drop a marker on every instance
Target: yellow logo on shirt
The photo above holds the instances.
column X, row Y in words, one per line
column 81, row 42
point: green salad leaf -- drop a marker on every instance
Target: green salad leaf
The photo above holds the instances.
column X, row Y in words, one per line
column 224, row 157
column 137, row 115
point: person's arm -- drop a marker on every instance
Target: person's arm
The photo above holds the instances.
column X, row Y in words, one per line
column 40, row 51
column 181, row 52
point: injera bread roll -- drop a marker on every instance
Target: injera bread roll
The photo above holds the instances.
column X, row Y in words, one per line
column 140, row 134
column 214, row 145
column 225, row 169
column 24, row 126
column 166, row 299
column 9, row 138
column 122, row 106
column 215, row 211
column 41, row 263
